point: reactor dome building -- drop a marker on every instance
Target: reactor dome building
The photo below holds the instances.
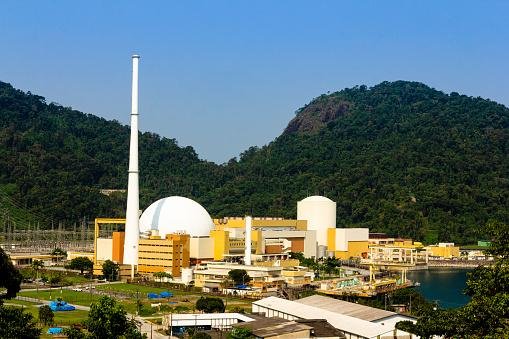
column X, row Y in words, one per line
column 175, row 215
column 320, row 212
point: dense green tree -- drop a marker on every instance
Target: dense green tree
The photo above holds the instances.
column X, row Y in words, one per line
column 239, row 277
column 240, row 333
column 110, row 270
column 46, row 315
column 75, row 333
column 210, row 305
column 81, row 264
column 10, row 277
column 201, row 335
column 107, row 319
column 161, row 275
column 16, row 324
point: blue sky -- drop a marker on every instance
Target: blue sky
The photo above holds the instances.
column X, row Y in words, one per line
column 225, row 75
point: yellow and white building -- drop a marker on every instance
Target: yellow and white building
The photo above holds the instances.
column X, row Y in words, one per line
column 346, row 243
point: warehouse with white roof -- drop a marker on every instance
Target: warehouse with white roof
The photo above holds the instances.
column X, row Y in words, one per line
column 354, row 328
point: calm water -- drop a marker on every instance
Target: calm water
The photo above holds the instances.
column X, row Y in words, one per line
column 444, row 285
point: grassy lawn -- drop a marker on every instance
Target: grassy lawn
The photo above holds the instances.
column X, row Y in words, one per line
column 72, row 297
column 77, row 279
column 20, row 302
column 126, row 295
column 133, row 289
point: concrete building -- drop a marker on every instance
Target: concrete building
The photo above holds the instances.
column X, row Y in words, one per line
column 444, row 251
column 213, row 275
column 169, row 254
column 269, row 236
column 397, row 255
column 180, row 323
column 26, row 259
column 345, row 243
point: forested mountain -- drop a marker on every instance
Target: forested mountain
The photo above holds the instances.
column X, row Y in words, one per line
column 398, row 157
column 54, row 160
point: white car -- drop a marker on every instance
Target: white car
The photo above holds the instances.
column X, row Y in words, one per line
column 77, row 289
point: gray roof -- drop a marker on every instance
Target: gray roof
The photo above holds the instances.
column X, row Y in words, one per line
column 271, row 327
column 345, row 323
column 346, row 308
column 322, row 329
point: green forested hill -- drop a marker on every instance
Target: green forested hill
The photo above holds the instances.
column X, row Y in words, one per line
column 54, row 160
column 398, row 157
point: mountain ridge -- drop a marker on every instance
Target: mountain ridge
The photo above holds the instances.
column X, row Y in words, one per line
column 399, row 157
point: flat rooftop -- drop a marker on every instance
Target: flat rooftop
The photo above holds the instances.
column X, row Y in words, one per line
column 346, row 308
column 272, row 327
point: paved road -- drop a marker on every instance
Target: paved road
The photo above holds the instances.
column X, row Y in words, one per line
column 83, row 285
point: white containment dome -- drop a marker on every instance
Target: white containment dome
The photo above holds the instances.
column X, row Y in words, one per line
column 320, row 212
column 176, row 214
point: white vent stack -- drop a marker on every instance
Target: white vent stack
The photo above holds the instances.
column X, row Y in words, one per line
column 132, row 230
column 247, row 251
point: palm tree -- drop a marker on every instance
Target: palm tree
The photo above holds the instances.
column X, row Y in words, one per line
column 37, row 265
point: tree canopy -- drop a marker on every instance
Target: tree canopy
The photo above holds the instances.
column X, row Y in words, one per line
column 10, row 277
column 15, row 324
column 107, row 319
column 210, row 305
column 110, row 270
column 46, row 315
column 81, row 264
column 239, row 277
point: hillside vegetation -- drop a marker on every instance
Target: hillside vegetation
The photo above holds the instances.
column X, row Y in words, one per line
column 399, row 157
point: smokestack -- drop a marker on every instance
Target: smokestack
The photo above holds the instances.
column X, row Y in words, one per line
column 247, row 253
column 132, row 229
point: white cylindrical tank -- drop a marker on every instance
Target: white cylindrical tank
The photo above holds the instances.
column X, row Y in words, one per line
column 320, row 213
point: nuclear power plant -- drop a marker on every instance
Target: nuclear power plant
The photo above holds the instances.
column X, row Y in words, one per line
column 177, row 235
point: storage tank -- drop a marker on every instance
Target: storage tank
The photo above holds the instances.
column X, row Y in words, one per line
column 320, row 213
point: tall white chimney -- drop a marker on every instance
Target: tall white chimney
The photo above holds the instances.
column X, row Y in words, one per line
column 132, row 229
column 247, row 252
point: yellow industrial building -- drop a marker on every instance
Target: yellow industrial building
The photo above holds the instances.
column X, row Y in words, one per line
column 346, row 243
column 444, row 250
column 163, row 255
column 269, row 236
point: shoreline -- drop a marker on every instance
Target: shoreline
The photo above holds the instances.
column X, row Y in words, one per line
column 457, row 264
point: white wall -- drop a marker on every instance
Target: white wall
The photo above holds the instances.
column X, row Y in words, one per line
column 104, row 249
column 344, row 235
column 201, row 247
